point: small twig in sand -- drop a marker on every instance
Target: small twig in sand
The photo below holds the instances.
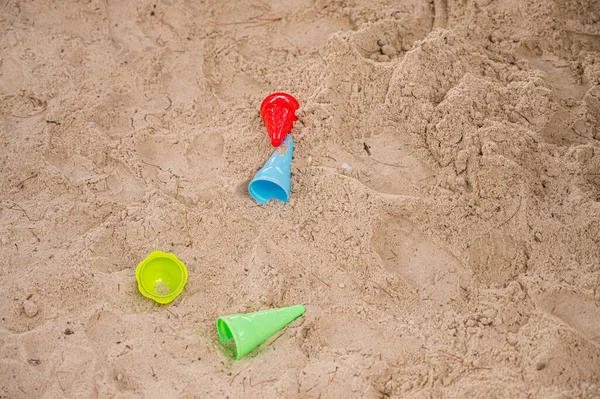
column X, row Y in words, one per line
column 173, row 314
column 279, row 336
column 451, row 355
column 513, row 215
column 334, row 272
column 334, row 374
column 233, row 378
column 249, row 21
column 383, row 289
column 320, row 279
column 262, row 382
column 367, row 149
column 177, row 188
column 153, row 373
column 388, row 164
column 17, row 207
column 60, row 383
column 35, row 235
column 322, row 59
column 28, row 116
column 125, row 351
column 21, row 389
column 579, row 134
column 235, row 23
column 160, row 167
column 162, row 21
column 151, row 164
column 285, row 293
column 332, row 158
column 309, row 389
column 174, row 336
column 269, row 21
column 30, row 177
column 524, row 117
column 187, row 226
column 241, row 371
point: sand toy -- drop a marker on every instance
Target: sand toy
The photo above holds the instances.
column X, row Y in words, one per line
column 161, row 277
column 273, row 180
column 252, row 329
column 278, row 112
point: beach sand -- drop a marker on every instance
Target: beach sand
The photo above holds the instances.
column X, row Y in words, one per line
column 443, row 229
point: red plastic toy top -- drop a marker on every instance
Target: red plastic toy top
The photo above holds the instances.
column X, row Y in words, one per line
column 278, row 111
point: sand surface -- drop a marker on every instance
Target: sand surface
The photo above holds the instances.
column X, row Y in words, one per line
column 444, row 223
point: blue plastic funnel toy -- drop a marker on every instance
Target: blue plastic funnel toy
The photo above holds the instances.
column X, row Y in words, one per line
column 273, row 180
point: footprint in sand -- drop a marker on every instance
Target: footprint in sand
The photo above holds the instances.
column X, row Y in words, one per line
column 109, row 253
column 11, row 70
column 238, row 87
column 579, row 311
column 121, row 347
column 391, row 165
column 111, row 112
column 345, row 332
column 182, row 75
column 76, row 372
column 406, row 250
column 123, row 26
column 163, row 152
column 122, row 186
column 565, row 128
column 394, row 167
column 497, row 258
column 203, row 154
column 39, row 350
column 104, row 329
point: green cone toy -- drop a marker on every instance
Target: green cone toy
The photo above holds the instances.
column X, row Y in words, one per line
column 252, row 329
